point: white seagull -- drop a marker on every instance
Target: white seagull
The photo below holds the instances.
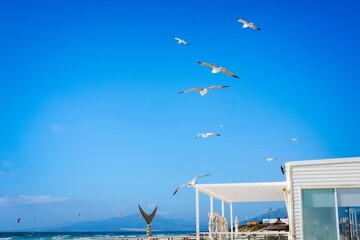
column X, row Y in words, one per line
column 295, row 139
column 190, row 184
column 202, row 91
column 270, row 159
column 205, row 135
column 216, row 69
column 181, row 41
column 248, row 24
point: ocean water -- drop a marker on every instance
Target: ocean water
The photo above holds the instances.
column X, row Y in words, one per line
column 83, row 235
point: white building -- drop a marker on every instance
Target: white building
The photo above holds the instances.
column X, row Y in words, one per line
column 322, row 198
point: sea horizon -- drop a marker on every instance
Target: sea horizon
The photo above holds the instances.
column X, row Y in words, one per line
column 44, row 235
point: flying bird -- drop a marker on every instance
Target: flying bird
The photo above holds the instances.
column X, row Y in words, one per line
column 79, row 215
column 18, row 220
column 34, row 219
column 295, row 139
column 205, row 135
column 190, row 184
column 270, row 159
column 248, row 24
column 181, row 41
column 216, row 69
column 221, row 125
column 203, row 91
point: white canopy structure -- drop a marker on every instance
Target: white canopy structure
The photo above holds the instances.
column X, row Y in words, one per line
column 244, row 192
column 239, row 192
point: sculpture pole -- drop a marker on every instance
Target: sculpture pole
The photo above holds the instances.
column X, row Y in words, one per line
column 148, row 219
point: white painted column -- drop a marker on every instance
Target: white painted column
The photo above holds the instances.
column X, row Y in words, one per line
column 197, row 214
column 337, row 214
column 211, row 206
column 231, row 221
column 222, row 208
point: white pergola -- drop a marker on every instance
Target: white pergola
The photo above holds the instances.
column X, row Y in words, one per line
column 238, row 192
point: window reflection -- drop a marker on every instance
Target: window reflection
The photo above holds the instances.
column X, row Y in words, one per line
column 349, row 213
column 319, row 216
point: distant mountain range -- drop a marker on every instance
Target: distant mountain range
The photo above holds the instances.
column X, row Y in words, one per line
column 136, row 223
column 132, row 222
column 281, row 213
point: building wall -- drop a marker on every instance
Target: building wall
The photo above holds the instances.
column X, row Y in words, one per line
column 319, row 174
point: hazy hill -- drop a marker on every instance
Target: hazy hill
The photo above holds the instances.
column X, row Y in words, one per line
column 135, row 222
column 281, row 213
column 132, row 223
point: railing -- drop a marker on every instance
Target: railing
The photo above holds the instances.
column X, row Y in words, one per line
column 245, row 235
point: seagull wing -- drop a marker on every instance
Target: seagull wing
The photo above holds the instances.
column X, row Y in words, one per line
column 191, row 90
column 200, row 177
column 211, row 87
column 198, row 135
column 176, row 38
column 224, row 70
column 207, row 64
column 243, row 21
column 254, row 27
column 178, row 188
column 213, row 134
column 185, row 42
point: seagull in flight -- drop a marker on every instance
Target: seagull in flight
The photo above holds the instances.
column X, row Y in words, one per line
column 190, row 184
column 202, row 91
column 181, row 41
column 18, row 220
column 295, row 139
column 205, row 135
column 216, row 69
column 269, row 159
column 248, row 24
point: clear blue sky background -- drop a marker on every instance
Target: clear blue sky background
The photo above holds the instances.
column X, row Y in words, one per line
column 92, row 122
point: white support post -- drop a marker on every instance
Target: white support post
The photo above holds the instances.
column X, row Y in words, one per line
column 211, row 217
column 337, row 214
column 197, row 214
column 231, row 221
column 222, row 208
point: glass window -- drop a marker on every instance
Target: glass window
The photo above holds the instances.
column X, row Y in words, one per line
column 349, row 213
column 319, row 216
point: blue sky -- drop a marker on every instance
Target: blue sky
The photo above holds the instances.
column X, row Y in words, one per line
column 92, row 122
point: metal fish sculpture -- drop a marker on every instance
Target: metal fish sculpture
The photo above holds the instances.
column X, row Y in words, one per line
column 148, row 219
